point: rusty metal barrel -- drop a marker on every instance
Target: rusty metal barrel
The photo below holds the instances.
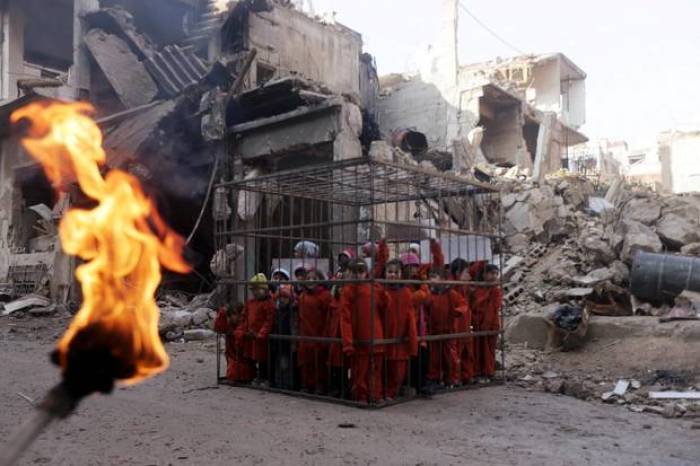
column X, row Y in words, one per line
column 662, row 277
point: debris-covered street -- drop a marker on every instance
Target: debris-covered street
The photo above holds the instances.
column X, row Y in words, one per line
column 183, row 417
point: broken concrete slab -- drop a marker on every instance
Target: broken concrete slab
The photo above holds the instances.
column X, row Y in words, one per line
column 621, row 387
column 125, row 140
column 201, row 316
column 174, row 319
column 128, row 77
column 25, row 302
column 692, row 249
column 676, row 231
column 198, row 334
column 598, row 205
column 530, row 329
column 594, row 277
column 638, row 237
column 643, row 210
column 599, row 249
column 43, row 311
column 620, row 273
column 120, row 22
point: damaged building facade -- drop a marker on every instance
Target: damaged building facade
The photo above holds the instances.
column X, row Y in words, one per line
column 177, row 86
column 520, row 112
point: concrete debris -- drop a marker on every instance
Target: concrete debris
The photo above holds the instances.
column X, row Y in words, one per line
column 620, row 273
column 198, row 334
column 595, row 277
column 172, row 319
column 676, row 231
column 25, row 302
column 621, row 387
column 43, row 311
column 689, row 300
column 638, row 237
column 674, row 395
column 126, row 74
column 598, row 205
column 643, row 210
column 692, row 249
column 529, row 329
column 202, row 315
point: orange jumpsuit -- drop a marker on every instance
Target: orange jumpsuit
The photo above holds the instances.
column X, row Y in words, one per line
column 487, row 317
column 446, row 309
column 399, row 322
column 314, row 309
column 361, row 307
column 258, row 317
column 335, row 354
column 238, row 369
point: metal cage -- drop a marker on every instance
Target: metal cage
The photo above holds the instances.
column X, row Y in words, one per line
column 367, row 208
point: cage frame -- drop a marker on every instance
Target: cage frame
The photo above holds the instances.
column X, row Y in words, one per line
column 354, row 184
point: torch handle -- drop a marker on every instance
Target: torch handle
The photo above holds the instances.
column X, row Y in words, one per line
column 58, row 403
column 25, row 436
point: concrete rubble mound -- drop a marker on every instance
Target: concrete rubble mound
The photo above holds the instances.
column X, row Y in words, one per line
column 566, row 244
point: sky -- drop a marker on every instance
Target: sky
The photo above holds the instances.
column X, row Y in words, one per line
column 641, row 56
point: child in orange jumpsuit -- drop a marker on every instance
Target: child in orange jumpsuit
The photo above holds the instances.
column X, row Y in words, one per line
column 337, row 362
column 283, row 351
column 487, row 318
column 460, row 270
column 399, row 322
column 446, row 309
column 229, row 323
column 361, row 306
column 314, row 308
column 258, row 317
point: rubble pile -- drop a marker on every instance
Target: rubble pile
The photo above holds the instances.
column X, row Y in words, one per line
column 183, row 319
column 564, row 244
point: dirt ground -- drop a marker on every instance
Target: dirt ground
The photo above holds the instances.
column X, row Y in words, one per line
column 182, row 417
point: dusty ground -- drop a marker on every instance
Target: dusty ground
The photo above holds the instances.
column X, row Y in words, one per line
column 181, row 417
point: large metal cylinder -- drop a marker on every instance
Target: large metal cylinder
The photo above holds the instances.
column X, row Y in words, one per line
column 662, row 277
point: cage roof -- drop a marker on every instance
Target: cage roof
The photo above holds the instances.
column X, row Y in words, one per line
column 362, row 181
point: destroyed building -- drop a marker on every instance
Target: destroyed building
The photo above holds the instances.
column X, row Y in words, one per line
column 524, row 111
column 176, row 85
column 680, row 162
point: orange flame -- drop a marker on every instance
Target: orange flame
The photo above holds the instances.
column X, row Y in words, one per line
column 123, row 239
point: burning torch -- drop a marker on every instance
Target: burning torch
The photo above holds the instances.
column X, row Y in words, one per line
column 123, row 241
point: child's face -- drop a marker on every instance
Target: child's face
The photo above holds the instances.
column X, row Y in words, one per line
column 310, row 276
column 259, row 292
column 412, row 270
column 343, row 260
column 393, row 272
column 284, row 300
column 491, row 277
column 464, row 276
column 278, row 277
column 361, row 274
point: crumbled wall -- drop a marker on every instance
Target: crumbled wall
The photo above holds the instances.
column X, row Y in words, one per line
column 59, row 266
column 417, row 105
column 293, row 43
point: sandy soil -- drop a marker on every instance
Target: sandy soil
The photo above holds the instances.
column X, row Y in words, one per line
column 182, row 417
